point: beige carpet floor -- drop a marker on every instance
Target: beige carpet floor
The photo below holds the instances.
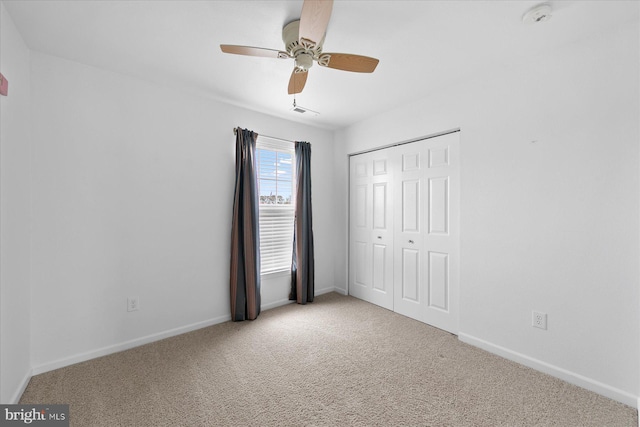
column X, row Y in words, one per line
column 338, row 361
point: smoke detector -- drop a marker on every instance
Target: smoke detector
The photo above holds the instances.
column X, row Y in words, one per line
column 539, row 13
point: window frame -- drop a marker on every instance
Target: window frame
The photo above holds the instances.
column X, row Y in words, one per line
column 275, row 250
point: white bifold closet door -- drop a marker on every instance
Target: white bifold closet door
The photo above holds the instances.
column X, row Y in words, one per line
column 371, row 228
column 404, row 236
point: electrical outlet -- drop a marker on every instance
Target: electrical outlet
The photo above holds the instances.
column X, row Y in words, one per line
column 539, row 320
column 133, row 304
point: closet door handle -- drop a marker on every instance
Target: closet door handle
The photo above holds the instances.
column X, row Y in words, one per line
column 411, row 241
column 379, row 237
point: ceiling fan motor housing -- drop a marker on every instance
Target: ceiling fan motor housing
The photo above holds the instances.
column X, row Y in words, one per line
column 290, row 37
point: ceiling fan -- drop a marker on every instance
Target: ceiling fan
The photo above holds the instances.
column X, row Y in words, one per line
column 303, row 40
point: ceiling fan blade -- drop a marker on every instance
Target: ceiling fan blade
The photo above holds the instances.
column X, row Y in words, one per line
column 348, row 62
column 297, row 81
column 253, row 51
column 314, row 20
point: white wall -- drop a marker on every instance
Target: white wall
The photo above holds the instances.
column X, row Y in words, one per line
column 132, row 196
column 132, row 185
column 15, row 195
column 550, row 225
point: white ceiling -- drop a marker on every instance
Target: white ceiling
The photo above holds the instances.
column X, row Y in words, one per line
column 422, row 45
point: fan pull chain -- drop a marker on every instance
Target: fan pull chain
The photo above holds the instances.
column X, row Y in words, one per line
column 294, row 95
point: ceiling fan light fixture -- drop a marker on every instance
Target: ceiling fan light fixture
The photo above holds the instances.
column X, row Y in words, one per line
column 304, row 61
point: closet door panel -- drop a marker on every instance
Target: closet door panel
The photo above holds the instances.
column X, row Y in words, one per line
column 361, row 264
column 408, row 239
column 410, row 275
column 438, row 280
column 442, row 235
column 411, row 206
column 371, row 229
column 380, row 256
column 438, row 205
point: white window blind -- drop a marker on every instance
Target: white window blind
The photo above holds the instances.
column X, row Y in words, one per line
column 275, row 187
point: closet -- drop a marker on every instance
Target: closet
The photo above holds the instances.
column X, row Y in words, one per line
column 404, row 238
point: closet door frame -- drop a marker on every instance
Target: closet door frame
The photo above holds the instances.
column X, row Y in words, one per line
column 438, row 262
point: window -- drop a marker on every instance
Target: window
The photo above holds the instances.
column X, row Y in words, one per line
column 275, row 188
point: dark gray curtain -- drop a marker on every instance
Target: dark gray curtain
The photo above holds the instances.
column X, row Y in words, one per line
column 245, row 233
column 302, row 268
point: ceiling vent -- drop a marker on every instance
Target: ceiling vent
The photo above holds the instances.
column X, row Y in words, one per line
column 302, row 110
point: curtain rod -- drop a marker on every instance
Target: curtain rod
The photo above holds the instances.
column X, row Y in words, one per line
column 235, row 131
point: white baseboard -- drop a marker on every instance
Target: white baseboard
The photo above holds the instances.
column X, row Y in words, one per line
column 327, row 290
column 323, row 291
column 104, row 351
column 275, row 304
column 563, row 374
column 23, row 385
column 341, row 291
column 288, row 301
